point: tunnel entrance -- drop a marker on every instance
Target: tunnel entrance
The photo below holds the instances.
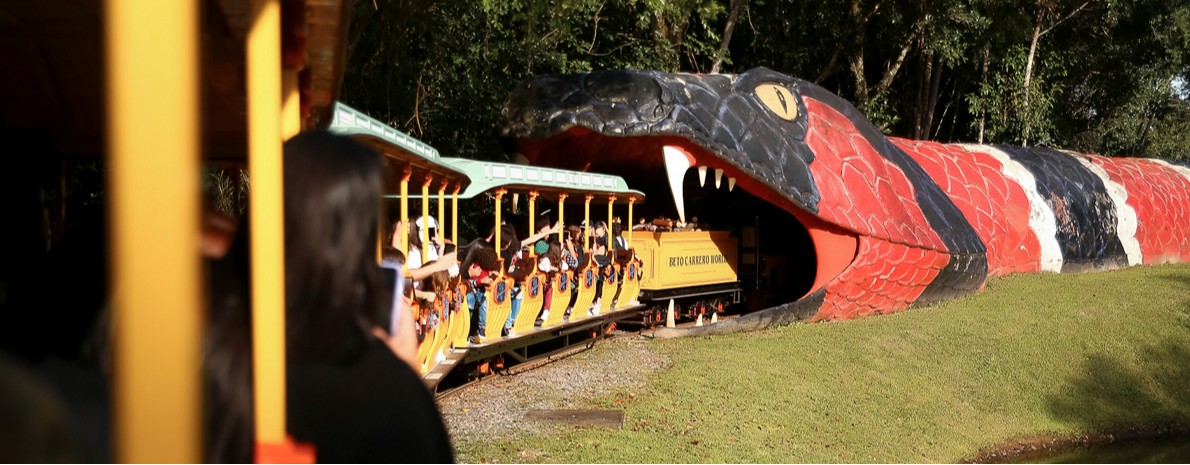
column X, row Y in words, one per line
column 778, row 259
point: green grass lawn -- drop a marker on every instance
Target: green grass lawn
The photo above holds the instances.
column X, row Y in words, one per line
column 1031, row 354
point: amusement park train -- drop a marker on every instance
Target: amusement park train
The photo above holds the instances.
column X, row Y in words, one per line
column 832, row 220
column 668, row 275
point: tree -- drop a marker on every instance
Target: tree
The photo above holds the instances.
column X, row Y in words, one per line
column 727, row 30
column 1046, row 9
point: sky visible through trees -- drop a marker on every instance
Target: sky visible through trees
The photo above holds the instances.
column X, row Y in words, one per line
column 1097, row 76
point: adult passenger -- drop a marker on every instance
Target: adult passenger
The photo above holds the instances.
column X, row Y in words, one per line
column 348, row 394
column 481, row 265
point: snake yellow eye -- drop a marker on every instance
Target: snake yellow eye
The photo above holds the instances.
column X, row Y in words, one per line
column 779, row 100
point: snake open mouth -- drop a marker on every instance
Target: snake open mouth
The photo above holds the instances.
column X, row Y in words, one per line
column 729, row 149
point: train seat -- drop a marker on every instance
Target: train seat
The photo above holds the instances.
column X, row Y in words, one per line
column 588, row 279
column 611, row 286
column 462, row 316
column 533, row 292
column 630, row 283
column 499, row 297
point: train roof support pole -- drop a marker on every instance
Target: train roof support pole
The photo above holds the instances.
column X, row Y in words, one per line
column 402, row 234
column 499, row 196
column 607, row 233
column 532, row 218
column 425, row 219
column 561, row 213
column 153, row 138
column 268, row 233
column 587, row 222
column 631, row 200
column 291, row 113
column 454, row 214
column 442, row 210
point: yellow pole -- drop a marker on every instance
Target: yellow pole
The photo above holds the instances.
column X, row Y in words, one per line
column 499, row 195
column 532, row 219
column 268, row 232
column 153, row 114
column 442, row 209
column 561, row 212
column 587, row 221
column 425, row 217
column 631, row 221
column 454, row 215
column 404, row 238
column 611, row 199
column 380, row 231
column 291, row 110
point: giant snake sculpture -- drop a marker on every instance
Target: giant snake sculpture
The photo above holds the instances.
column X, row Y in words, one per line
column 894, row 222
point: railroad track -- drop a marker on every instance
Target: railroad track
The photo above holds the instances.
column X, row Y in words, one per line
column 538, row 363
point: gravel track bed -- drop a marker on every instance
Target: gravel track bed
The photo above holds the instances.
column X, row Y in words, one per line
column 493, row 410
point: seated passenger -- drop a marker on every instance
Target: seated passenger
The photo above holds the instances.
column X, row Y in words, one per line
column 544, row 231
column 480, row 264
column 348, row 394
column 618, row 241
column 433, row 290
column 599, row 244
column 550, row 262
column 420, row 272
column 510, row 252
column 433, row 249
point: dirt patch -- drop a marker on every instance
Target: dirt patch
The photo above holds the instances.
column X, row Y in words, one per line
column 613, row 419
column 496, row 409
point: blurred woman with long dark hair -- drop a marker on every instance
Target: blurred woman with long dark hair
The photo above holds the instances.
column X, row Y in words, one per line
column 348, row 394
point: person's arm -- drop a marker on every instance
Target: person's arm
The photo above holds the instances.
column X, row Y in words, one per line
column 536, row 237
column 425, row 295
column 444, row 263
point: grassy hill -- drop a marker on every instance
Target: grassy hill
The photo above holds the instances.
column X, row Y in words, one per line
column 1031, row 354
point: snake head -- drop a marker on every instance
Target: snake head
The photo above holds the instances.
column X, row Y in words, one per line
column 751, row 125
column 650, row 127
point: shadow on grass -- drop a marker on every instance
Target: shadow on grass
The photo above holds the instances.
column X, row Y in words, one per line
column 1111, row 396
column 1184, row 307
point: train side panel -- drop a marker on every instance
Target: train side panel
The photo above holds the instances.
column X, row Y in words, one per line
column 682, row 259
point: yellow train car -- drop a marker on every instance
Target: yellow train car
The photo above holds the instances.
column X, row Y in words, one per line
column 697, row 270
column 684, row 259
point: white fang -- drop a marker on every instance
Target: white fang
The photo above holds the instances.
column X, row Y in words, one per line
column 702, row 176
column 676, row 165
column 730, row 184
column 718, row 177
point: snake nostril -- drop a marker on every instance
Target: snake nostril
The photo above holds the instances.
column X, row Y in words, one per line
column 658, row 111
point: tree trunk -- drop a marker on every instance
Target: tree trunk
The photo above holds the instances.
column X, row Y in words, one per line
column 857, row 69
column 987, row 50
column 925, row 69
column 856, row 58
column 891, row 73
column 736, row 5
column 1029, row 75
column 935, row 82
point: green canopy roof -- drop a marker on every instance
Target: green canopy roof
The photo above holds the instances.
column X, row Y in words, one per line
column 487, row 176
column 477, row 176
column 351, row 122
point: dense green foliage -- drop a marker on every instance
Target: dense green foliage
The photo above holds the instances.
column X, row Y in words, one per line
column 1103, row 76
column 1031, row 354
